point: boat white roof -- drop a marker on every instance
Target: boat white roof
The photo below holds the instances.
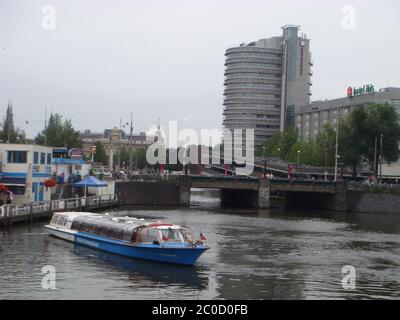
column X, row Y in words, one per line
column 130, row 220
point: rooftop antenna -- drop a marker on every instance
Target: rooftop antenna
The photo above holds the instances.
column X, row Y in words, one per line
column 45, row 126
column 131, row 127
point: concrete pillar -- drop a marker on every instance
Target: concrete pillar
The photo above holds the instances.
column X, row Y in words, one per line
column 264, row 194
column 5, row 215
column 185, row 185
column 31, row 212
column 340, row 198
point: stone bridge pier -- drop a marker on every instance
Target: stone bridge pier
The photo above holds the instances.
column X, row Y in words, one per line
column 332, row 197
column 258, row 198
column 238, row 192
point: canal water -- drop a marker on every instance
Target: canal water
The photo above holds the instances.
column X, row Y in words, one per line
column 255, row 254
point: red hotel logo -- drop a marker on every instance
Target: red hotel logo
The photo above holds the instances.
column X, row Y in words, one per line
column 349, row 91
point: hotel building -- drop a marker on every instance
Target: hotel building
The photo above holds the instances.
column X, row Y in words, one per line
column 311, row 118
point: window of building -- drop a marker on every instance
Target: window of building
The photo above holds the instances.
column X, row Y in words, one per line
column 49, row 158
column 17, row 156
column 36, row 157
column 42, row 158
column 17, row 190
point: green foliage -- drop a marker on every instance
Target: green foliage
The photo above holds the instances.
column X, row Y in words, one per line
column 8, row 133
column 13, row 136
column 59, row 133
column 363, row 127
column 325, row 145
column 138, row 157
column 281, row 144
column 100, row 155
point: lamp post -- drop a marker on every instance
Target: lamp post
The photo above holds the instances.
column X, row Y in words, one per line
column 265, row 162
column 381, row 160
column 375, row 156
column 298, row 158
column 337, row 144
column 279, row 151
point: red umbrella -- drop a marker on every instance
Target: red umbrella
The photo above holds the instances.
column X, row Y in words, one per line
column 50, row 183
column 3, row 187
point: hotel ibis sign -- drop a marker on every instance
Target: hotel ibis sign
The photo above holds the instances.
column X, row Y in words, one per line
column 351, row 92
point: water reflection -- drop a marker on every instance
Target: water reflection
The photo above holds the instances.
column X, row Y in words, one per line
column 140, row 270
column 254, row 254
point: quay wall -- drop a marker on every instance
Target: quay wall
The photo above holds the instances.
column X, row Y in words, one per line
column 168, row 193
column 368, row 202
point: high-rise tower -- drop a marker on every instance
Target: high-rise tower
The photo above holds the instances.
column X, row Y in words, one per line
column 264, row 82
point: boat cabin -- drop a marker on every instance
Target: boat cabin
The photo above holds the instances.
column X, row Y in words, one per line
column 125, row 229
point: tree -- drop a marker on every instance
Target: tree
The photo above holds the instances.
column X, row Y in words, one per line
column 357, row 135
column 362, row 128
column 59, row 133
column 100, row 155
column 8, row 132
column 325, row 147
column 282, row 141
column 139, row 158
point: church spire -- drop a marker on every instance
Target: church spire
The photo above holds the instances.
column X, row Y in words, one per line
column 9, row 122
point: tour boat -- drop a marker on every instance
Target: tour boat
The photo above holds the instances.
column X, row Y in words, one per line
column 131, row 237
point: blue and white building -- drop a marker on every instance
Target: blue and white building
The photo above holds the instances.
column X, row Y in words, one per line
column 23, row 169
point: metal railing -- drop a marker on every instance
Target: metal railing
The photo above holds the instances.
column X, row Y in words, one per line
column 15, row 210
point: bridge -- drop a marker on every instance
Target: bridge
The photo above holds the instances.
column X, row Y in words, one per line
column 257, row 192
column 235, row 191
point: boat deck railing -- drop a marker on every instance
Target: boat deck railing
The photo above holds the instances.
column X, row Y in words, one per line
column 29, row 211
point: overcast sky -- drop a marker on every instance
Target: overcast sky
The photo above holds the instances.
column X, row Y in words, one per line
column 165, row 59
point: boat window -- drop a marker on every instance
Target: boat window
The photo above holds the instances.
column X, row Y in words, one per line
column 187, row 234
column 112, row 232
column 170, row 235
column 75, row 225
column 61, row 221
column 149, row 235
column 54, row 219
column 134, row 234
column 120, row 233
column 84, row 226
column 92, row 229
column 102, row 231
column 130, row 232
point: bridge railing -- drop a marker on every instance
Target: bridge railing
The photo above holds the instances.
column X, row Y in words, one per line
column 374, row 187
column 302, row 182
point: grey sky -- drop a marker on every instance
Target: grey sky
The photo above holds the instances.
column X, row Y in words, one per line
column 165, row 59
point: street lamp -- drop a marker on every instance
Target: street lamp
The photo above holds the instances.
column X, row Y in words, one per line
column 337, row 144
column 381, row 159
column 279, row 151
column 298, row 157
column 265, row 162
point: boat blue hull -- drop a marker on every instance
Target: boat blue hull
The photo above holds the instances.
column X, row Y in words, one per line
column 178, row 254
